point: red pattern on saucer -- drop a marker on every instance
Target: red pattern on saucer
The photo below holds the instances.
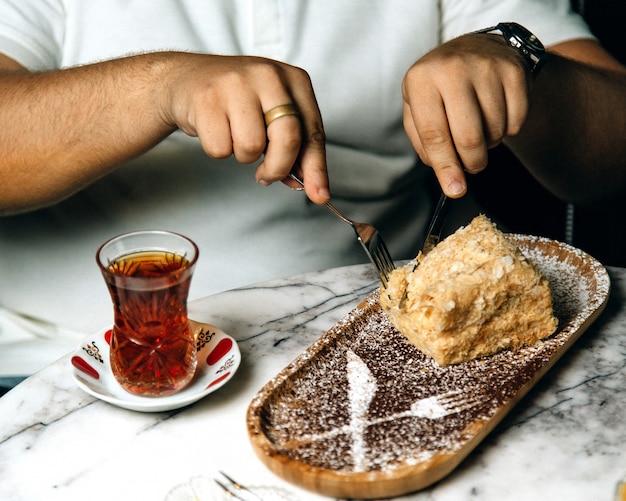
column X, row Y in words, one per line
column 218, row 360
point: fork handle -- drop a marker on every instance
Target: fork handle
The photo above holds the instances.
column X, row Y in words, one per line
column 296, row 178
column 330, row 206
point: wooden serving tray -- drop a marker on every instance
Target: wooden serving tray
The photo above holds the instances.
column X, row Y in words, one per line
column 364, row 414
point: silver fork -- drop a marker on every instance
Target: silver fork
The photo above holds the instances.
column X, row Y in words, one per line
column 235, row 488
column 369, row 238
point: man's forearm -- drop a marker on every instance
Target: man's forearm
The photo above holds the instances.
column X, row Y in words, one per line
column 60, row 130
column 574, row 138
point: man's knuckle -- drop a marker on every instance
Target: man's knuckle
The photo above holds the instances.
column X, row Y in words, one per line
column 218, row 151
column 496, row 132
column 470, row 141
column 434, row 137
column 317, row 137
column 251, row 147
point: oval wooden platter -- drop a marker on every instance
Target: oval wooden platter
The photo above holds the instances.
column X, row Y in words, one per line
column 364, row 414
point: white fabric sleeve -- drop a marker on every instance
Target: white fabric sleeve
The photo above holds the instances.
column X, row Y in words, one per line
column 553, row 21
column 32, row 32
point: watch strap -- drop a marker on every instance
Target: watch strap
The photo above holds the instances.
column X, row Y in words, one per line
column 522, row 40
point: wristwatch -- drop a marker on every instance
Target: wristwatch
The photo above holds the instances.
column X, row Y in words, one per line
column 527, row 44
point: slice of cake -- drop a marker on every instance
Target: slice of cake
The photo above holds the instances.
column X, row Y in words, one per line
column 473, row 295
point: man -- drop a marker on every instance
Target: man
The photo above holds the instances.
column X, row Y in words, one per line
column 105, row 99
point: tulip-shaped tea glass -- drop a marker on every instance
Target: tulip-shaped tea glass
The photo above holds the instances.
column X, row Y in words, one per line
column 148, row 273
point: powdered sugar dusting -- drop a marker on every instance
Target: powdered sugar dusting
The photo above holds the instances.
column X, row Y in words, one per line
column 363, row 399
column 361, row 390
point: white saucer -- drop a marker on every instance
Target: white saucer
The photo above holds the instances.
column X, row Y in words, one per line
column 218, row 360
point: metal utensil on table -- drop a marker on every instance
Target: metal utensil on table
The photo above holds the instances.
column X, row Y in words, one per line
column 235, row 489
column 433, row 234
column 37, row 326
column 369, row 238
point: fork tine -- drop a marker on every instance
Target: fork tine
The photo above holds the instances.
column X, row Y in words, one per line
column 386, row 258
column 227, row 490
column 237, row 486
column 376, row 259
column 376, row 250
column 385, row 264
column 379, row 255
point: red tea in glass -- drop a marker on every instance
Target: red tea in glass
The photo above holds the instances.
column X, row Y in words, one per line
column 148, row 274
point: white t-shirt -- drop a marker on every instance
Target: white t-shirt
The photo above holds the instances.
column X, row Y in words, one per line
column 356, row 54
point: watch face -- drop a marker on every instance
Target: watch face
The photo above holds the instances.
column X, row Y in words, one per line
column 523, row 36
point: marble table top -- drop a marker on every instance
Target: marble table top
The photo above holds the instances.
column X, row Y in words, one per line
column 564, row 441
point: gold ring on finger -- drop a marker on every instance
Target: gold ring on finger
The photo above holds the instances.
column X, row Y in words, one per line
column 284, row 110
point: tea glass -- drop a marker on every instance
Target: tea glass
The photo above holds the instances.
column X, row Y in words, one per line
column 148, row 274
